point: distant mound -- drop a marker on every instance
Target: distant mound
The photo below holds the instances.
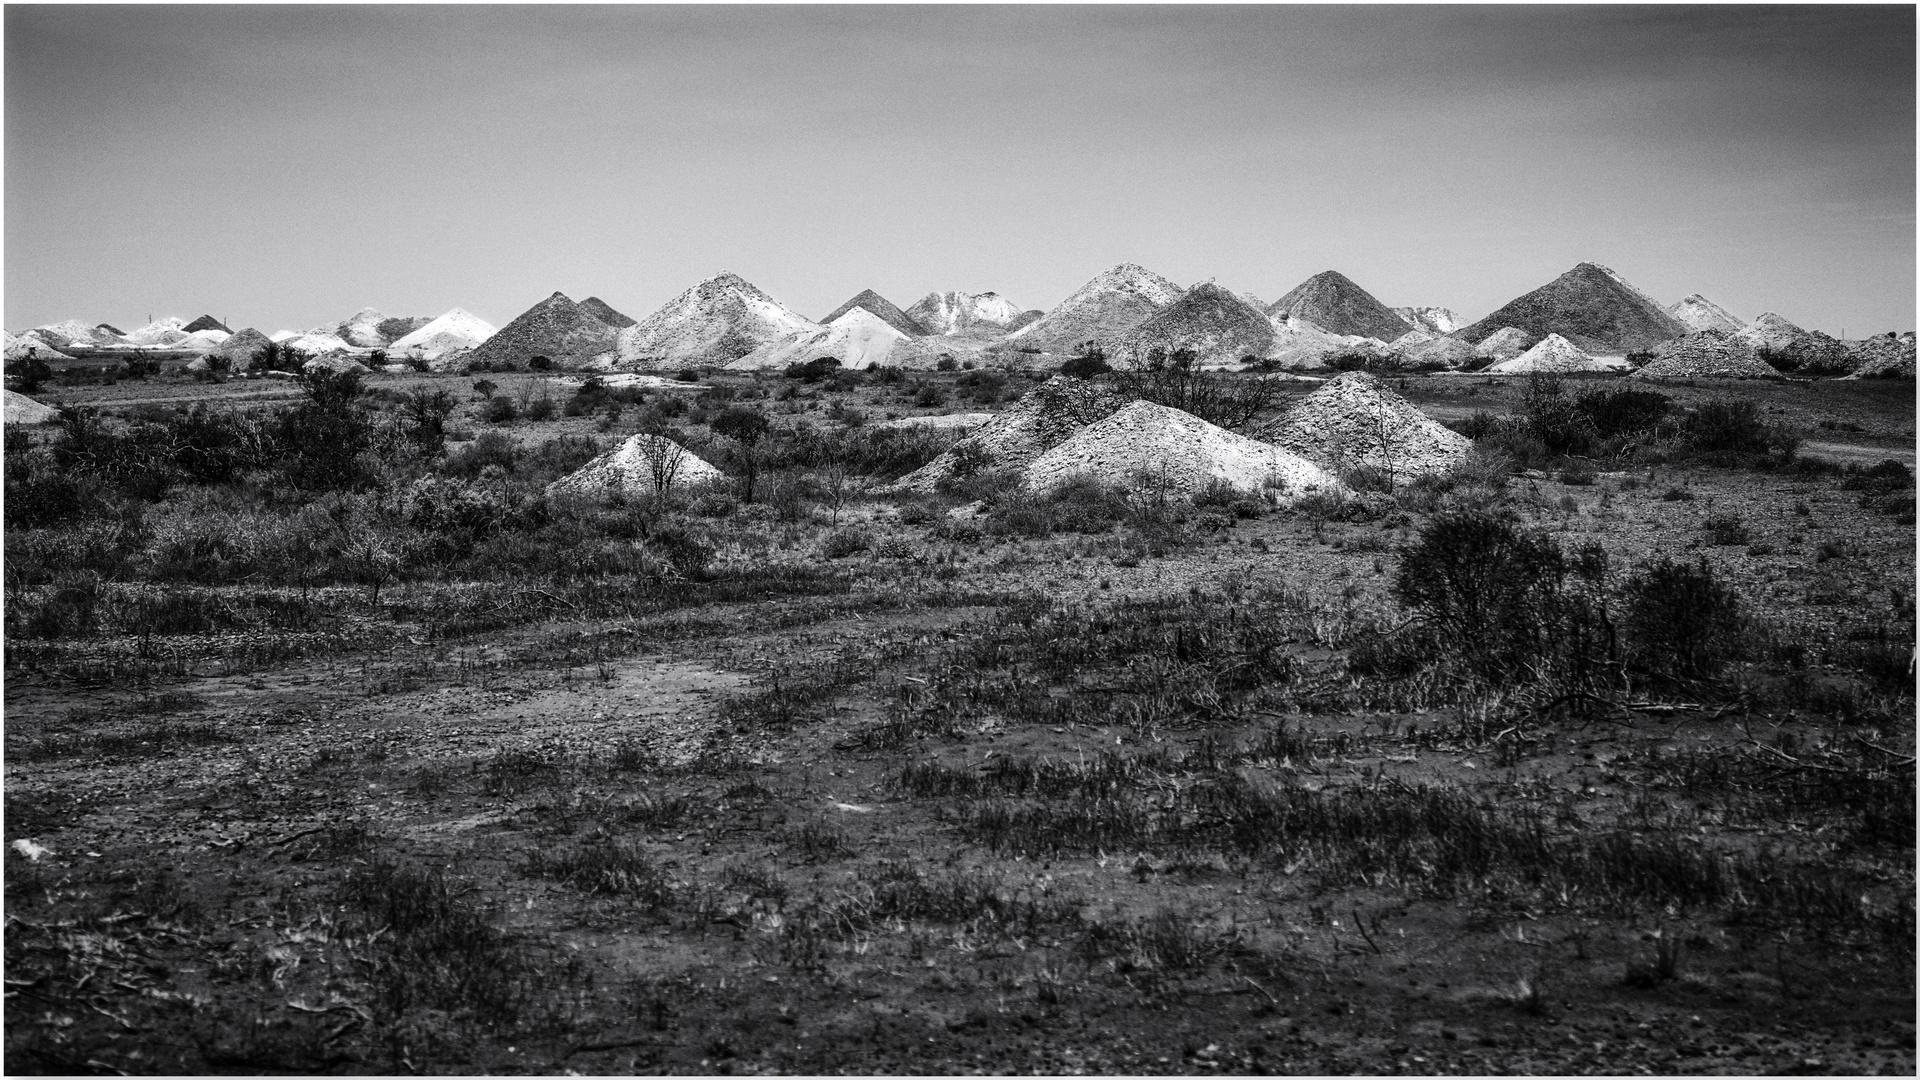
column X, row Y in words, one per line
column 1592, row 307
column 240, row 350
column 1102, row 311
column 883, row 308
column 202, row 341
column 157, row 332
column 61, row 334
column 19, row 347
column 1771, row 330
column 716, row 322
column 457, row 329
column 639, row 466
column 1889, row 356
column 1708, row 354
column 1357, row 420
column 1177, row 451
column 1791, row 348
column 1042, row 419
column 858, row 338
column 960, row 314
column 1301, row 345
column 205, row 322
column 1504, row 344
column 1697, row 312
column 317, row 344
column 111, row 329
column 1220, row 328
column 393, row 329
column 361, row 329
column 603, row 311
column 21, row 409
column 1557, row 355
column 1331, row 301
column 1448, row 353
column 1434, row 320
column 564, row 332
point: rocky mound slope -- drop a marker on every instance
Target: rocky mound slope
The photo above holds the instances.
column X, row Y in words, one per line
column 1592, row 307
column 1697, row 312
column 1331, row 301
column 240, row 349
column 716, row 322
column 21, row 409
column 1434, row 320
column 556, row 328
column 1042, row 419
column 1357, row 420
column 873, row 302
column 639, row 466
column 205, row 322
column 858, row 339
column 1100, row 312
column 603, row 311
column 1503, row 344
column 457, row 329
column 961, row 314
column 1221, row 329
column 19, row 347
column 1554, row 354
column 1708, row 354
column 1889, row 356
column 1149, row 445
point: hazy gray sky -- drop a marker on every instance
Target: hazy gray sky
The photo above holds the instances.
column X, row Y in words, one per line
column 285, row 166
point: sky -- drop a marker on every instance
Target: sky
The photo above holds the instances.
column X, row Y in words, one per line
column 283, row 167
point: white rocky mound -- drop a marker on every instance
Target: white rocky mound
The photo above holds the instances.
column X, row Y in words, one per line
column 1700, row 313
column 1146, row 444
column 962, row 314
column 316, row 344
column 714, row 323
column 858, row 339
column 71, row 332
column 643, row 465
column 1503, row 344
column 1299, row 344
column 1356, row 420
column 1443, row 353
column 21, row 409
column 941, row 421
column 1887, row 356
column 1770, row 331
column 1708, row 354
column 457, row 329
column 1101, row 311
column 21, row 346
column 361, row 329
column 1042, row 419
column 1434, row 320
column 159, row 332
column 1554, row 354
column 202, row 341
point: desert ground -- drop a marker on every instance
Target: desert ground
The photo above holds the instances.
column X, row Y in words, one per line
column 345, row 749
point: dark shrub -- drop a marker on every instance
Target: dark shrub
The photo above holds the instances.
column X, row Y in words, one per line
column 1489, row 590
column 32, row 372
column 1087, row 365
column 1724, row 426
column 1726, row 530
column 684, row 549
column 500, row 410
column 321, row 438
column 841, row 543
column 1617, row 413
column 540, row 363
column 1680, row 621
column 813, row 370
column 1478, row 425
column 947, row 363
column 491, row 448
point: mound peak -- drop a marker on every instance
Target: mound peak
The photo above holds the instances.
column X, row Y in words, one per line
column 1176, row 450
column 556, row 328
column 716, row 322
column 1708, row 354
column 604, row 311
column 639, row 466
column 1356, row 419
column 205, row 322
column 1331, row 301
column 964, row 314
column 1592, row 307
column 1556, row 354
column 1042, row 419
column 457, row 329
column 873, row 302
column 1434, row 320
column 1213, row 321
column 858, row 339
column 1102, row 311
column 1696, row 312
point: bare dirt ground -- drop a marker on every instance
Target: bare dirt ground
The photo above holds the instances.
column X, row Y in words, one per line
column 1000, row 804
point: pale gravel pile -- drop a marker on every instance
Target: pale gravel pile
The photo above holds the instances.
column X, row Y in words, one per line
column 1221, row 329
column 1101, row 311
column 1770, row 331
column 1885, row 357
column 1436, row 320
column 21, row 409
column 1300, row 345
column 942, row 422
column 963, row 314
column 157, row 331
column 1042, row 419
column 317, row 344
column 556, row 328
column 18, row 346
column 1504, row 344
column 61, row 334
column 338, row 365
column 1554, row 354
column 1708, row 354
column 629, row 470
column 714, row 323
column 858, row 338
column 202, row 341
column 1151, row 444
column 1448, row 353
column 1700, row 313
column 1357, row 420
column 1411, row 338
column 878, row 305
column 240, row 349
column 361, row 329
column 457, row 329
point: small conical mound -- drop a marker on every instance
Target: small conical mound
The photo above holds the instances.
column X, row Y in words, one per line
column 1166, row 449
column 879, row 305
column 361, row 329
column 1042, row 419
column 1221, row 329
column 1503, row 344
column 1100, row 312
column 393, row 329
column 205, row 322
column 603, row 311
column 858, row 339
column 1697, row 312
column 557, row 328
column 1770, row 331
column 240, row 350
column 961, row 314
column 643, row 465
column 109, row 328
column 1434, row 320
column 316, row 344
column 24, row 345
column 1889, row 356
column 21, row 409
column 1791, row 348
column 1357, row 420
column 1331, row 301
column 1554, row 354
column 716, row 322
column 157, row 332
column 202, row 341
column 1592, row 307
column 457, row 329
column 1708, row 354
column 1445, row 353
column 71, row 332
